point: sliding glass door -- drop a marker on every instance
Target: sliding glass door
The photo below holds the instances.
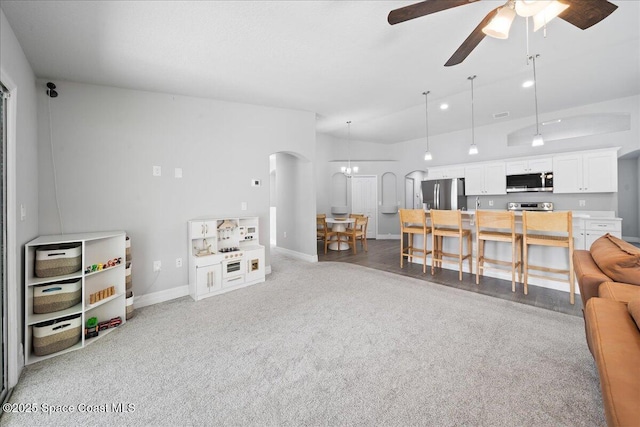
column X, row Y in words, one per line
column 3, row 241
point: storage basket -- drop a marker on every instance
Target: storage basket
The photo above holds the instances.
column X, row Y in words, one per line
column 56, row 335
column 57, row 260
column 127, row 277
column 56, row 296
column 129, row 305
column 127, row 249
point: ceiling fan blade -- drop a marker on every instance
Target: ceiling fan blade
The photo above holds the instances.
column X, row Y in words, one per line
column 583, row 14
column 472, row 41
column 423, row 8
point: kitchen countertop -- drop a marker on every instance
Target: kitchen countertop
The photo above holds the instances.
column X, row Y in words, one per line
column 575, row 214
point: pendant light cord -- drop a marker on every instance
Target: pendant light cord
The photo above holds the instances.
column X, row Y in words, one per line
column 426, row 109
column 473, row 137
column 349, row 144
column 535, row 90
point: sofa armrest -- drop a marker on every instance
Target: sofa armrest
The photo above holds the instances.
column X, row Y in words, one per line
column 588, row 274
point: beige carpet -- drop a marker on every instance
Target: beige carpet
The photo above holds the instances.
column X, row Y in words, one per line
column 327, row 344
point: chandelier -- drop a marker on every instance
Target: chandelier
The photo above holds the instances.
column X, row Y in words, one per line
column 348, row 170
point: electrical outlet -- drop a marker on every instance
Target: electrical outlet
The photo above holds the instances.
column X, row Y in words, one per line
column 490, row 202
column 177, row 172
column 157, row 171
column 157, row 266
column 285, row 234
column 243, row 206
column 178, row 262
column 582, row 203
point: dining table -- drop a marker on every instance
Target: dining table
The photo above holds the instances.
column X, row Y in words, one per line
column 339, row 225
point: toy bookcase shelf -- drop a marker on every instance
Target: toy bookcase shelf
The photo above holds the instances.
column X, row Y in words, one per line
column 102, row 266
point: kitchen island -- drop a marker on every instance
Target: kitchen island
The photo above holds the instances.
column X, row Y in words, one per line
column 587, row 227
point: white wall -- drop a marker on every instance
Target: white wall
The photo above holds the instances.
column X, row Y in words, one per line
column 16, row 74
column 106, row 141
column 629, row 197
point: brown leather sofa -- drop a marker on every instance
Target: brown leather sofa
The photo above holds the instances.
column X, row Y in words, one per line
column 609, row 280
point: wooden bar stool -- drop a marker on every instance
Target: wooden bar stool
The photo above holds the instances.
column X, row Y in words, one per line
column 413, row 221
column 449, row 224
column 558, row 232
column 498, row 226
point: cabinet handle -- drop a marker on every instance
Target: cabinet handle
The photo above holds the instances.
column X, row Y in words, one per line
column 202, row 229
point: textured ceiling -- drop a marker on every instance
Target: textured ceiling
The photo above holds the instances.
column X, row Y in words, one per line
column 339, row 59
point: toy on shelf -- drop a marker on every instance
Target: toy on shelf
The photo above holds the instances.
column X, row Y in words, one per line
column 91, row 328
column 102, row 266
column 112, row 323
column 102, row 294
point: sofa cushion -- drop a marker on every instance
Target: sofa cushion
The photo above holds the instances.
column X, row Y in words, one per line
column 634, row 310
column 622, row 292
column 617, row 259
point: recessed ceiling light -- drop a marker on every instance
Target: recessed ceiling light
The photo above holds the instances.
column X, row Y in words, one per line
column 528, row 83
column 444, row 106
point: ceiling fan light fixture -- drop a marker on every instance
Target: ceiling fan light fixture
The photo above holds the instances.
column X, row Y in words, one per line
column 526, row 8
column 501, row 23
column 546, row 15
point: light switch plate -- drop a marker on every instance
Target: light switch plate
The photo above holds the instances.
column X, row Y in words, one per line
column 157, row 171
column 243, row 206
column 178, row 172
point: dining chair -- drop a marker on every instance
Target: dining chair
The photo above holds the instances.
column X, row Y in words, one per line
column 553, row 229
column 448, row 223
column 321, row 226
column 357, row 232
column 498, row 226
column 413, row 222
column 329, row 234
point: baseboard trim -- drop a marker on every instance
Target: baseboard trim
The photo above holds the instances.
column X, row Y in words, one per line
column 388, row 237
column 160, row 296
column 298, row 255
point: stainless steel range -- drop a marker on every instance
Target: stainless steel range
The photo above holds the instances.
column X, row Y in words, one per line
column 530, row 206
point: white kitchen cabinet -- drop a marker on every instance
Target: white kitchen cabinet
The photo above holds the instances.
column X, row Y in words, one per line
column 485, row 179
column 102, row 268
column 588, row 230
column 518, row 167
column 445, row 172
column 208, row 280
column 201, row 229
column 587, row 172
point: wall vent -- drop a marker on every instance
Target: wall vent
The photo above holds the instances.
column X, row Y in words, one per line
column 501, row 115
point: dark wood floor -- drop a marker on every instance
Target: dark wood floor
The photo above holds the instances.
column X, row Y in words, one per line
column 385, row 255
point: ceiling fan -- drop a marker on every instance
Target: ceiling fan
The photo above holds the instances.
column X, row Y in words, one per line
column 581, row 13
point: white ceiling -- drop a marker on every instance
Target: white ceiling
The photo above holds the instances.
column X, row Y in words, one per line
column 339, row 59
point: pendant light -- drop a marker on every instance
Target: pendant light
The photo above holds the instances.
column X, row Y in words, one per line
column 473, row 149
column 427, row 154
column 537, row 138
column 348, row 170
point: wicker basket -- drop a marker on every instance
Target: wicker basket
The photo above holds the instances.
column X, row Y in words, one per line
column 129, row 303
column 127, row 249
column 56, row 335
column 127, row 277
column 56, row 296
column 57, row 260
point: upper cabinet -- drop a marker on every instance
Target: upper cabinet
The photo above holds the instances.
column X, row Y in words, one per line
column 485, row 179
column 518, row 167
column 587, row 172
column 445, row 172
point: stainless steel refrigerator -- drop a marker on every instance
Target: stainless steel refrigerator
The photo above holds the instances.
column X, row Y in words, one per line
column 445, row 194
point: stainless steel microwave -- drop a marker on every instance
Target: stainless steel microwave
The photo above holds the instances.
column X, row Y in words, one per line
column 530, row 182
